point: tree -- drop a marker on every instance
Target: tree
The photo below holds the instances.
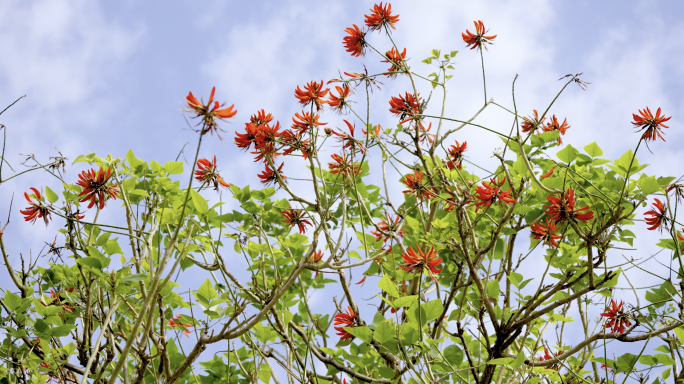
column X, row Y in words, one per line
column 454, row 301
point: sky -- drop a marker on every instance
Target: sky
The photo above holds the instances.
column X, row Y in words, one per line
column 104, row 77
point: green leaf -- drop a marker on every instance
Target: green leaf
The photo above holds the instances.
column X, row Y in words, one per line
column 363, row 333
column 90, row 262
column 388, row 286
column 680, row 333
column 519, row 361
column 405, row 301
column 453, row 354
column 648, row 184
column 431, row 310
column 207, row 290
column 493, row 289
column 384, row 332
column 11, row 300
column 62, row 330
column 174, row 167
column 264, row 375
column 568, row 153
column 51, row 196
column 409, row 334
column 593, row 150
column 41, row 326
column 501, row 361
column 515, row 278
column 199, row 202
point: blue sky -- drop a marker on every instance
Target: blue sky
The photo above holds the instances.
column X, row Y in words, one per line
column 108, row 76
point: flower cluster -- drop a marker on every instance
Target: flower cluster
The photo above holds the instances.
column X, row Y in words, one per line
column 387, row 228
column 490, row 192
column 418, row 187
column 185, row 327
column 618, row 320
column 477, row 39
column 563, row 208
column 37, row 210
column 343, row 320
column 207, row 173
column 455, row 154
column 417, row 260
column 658, row 216
column 96, row 188
column 296, row 217
column 210, row 112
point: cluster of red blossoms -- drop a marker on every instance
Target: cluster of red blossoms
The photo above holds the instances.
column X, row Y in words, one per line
column 343, row 320
column 186, row 327
column 547, row 356
column 415, row 261
column 490, row 192
column 536, row 125
column 296, row 217
column 207, row 173
column 561, row 209
column 618, row 320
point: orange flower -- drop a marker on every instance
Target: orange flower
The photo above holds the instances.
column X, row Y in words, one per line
column 425, row 133
column 532, row 124
column 490, row 192
column 207, row 173
column 652, row 124
column 478, row 39
column 387, row 228
column 348, row 141
column 337, row 103
column 245, row 140
column 208, row 113
column 553, row 125
column 265, row 141
column 313, row 93
column 681, row 238
column 405, row 106
column 545, row 232
column 344, row 166
column 658, row 218
column 95, row 187
column 174, row 324
column 549, row 173
column 381, row 16
column 455, row 154
column 397, row 61
column 37, row 210
column 563, row 208
column 415, row 262
column 373, row 132
column 417, row 187
column 261, row 118
column 343, row 320
column 269, row 177
column 316, row 258
column 618, row 320
column 296, row 217
column 306, row 122
column 548, row 356
column 296, row 142
column 355, row 42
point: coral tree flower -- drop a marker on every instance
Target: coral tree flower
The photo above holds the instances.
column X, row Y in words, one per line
column 37, row 210
column 658, row 216
column 296, row 142
column 316, row 258
column 455, row 154
column 344, row 166
column 173, row 323
column 563, row 208
column 343, row 320
column 261, row 118
column 296, row 217
column 545, row 232
column 417, row 186
column 652, row 124
column 313, row 93
column 381, row 16
column 306, row 122
column 387, row 228
column 490, row 192
column 477, row 39
column 207, row 173
column 406, row 107
column 547, row 356
column 355, row 43
column 618, row 320
column 339, row 102
column 95, row 187
column 416, row 261
column 533, row 123
column 397, row 62
column 209, row 113
column 270, row 177
column 348, row 141
column 266, row 139
column 245, row 140
column 553, row 125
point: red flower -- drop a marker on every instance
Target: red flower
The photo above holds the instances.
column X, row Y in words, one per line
column 425, row 133
column 296, row 142
column 387, row 228
column 245, row 140
column 344, row 166
column 681, row 238
column 478, row 39
column 207, row 173
column 548, row 174
column 532, row 124
column 95, row 187
column 57, row 300
column 548, row 356
column 455, row 154
column 417, row 187
column 563, row 208
column 37, row 210
column 658, row 217
column 355, row 42
column 316, row 257
column 208, row 113
column 652, row 124
column 490, row 192
column 265, row 141
column 373, row 132
column 617, row 319
column 415, row 262
column 312, row 93
column 381, row 16
column 174, row 323
column 261, row 118
column 269, row 177
column 306, row 122
column 397, row 61
column 344, row 320
column 553, row 125
column 545, row 232
column 405, row 106
column 296, row 217
column 348, row 141
column 337, row 103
